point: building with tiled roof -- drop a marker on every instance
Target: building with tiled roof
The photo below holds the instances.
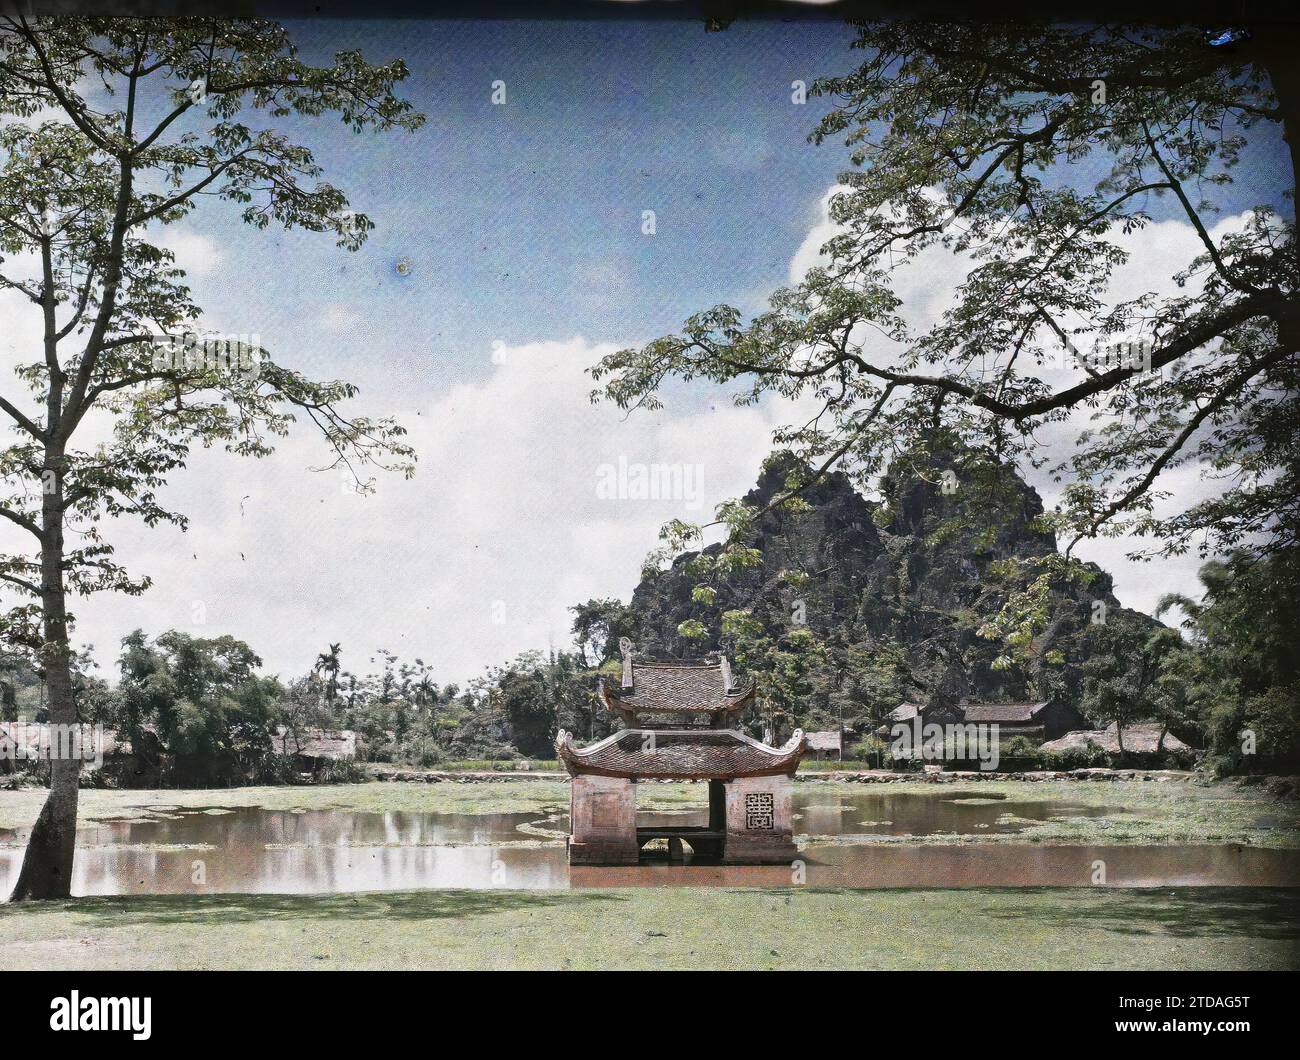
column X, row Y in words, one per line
column 681, row 693
column 1045, row 719
column 678, row 718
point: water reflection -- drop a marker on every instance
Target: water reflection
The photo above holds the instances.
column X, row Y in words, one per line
column 251, row 850
column 885, row 812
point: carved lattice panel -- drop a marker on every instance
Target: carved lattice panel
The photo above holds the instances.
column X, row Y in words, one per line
column 760, row 811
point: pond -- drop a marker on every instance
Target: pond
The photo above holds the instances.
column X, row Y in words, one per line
column 848, row 840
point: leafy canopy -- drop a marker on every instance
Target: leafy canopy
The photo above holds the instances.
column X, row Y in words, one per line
column 1026, row 154
column 113, row 129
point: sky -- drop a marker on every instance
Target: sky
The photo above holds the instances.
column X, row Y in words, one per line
column 519, row 231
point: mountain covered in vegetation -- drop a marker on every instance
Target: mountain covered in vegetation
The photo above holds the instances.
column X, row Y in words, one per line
column 950, row 586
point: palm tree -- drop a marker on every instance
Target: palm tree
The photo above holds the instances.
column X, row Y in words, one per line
column 327, row 663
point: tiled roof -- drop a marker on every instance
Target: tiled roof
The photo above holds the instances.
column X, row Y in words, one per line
column 700, row 754
column 1143, row 738
column 904, row 712
column 678, row 688
column 1002, row 712
column 823, row 741
column 334, row 744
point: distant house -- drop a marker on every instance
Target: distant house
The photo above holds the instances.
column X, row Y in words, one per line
column 315, row 748
column 19, row 742
column 825, row 744
column 1045, row 720
column 23, row 743
column 907, row 713
column 1140, row 738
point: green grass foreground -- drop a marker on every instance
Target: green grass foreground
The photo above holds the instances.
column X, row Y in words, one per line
column 1185, row 928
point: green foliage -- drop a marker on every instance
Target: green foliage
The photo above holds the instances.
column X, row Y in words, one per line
column 693, row 629
column 988, row 143
column 1240, row 679
column 205, row 703
column 86, row 192
column 1123, row 671
column 1028, row 607
column 598, row 625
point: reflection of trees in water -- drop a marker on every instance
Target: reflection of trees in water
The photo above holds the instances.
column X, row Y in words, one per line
column 913, row 813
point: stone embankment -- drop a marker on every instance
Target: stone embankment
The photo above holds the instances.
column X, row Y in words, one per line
column 443, row 776
column 964, row 776
column 867, row 776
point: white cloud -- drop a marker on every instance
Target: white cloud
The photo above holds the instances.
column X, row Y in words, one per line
column 476, row 558
column 197, row 254
column 809, row 252
column 502, row 529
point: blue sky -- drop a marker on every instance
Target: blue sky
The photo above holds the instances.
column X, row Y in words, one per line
column 523, row 221
column 522, row 226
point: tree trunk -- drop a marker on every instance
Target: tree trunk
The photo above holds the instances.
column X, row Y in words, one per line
column 47, row 865
column 1274, row 47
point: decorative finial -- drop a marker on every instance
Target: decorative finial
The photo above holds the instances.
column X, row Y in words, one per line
column 625, row 645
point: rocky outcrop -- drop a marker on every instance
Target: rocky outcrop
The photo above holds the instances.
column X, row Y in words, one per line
column 919, row 571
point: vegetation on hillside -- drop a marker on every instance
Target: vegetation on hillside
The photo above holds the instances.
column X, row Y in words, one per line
column 847, row 613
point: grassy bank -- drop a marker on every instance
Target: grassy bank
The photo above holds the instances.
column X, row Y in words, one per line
column 1207, row 928
column 1145, row 812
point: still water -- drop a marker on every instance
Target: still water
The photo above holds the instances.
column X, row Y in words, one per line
column 252, row 850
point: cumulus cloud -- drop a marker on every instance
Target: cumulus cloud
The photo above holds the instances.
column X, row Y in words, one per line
column 526, row 501
column 1157, row 252
column 197, row 254
column 505, row 525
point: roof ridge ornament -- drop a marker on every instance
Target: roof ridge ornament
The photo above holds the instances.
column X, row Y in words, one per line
column 625, row 646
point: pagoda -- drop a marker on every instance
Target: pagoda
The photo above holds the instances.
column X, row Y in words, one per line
column 679, row 718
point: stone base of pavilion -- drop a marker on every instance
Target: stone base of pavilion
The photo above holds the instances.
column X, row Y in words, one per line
column 750, row 816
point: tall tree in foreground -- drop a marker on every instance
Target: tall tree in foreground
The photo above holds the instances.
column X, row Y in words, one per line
column 114, row 128
column 1025, row 155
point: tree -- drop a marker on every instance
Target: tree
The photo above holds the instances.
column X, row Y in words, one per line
column 1124, row 686
column 598, row 625
column 328, row 664
column 1246, row 618
column 80, row 193
column 1240, row 678
column 875, row 678
column 520, row 692
column 967, row 140
column 299, row 708
column 204, row 700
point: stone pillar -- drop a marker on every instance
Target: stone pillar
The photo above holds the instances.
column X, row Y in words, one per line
column 603, row 815
column 759, row 821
